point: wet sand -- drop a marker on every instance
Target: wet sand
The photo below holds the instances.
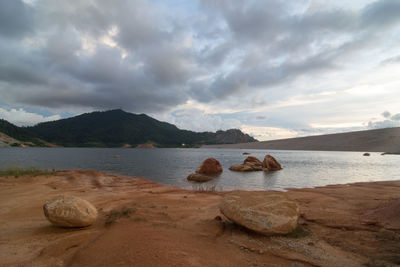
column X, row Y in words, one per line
column 341, row 225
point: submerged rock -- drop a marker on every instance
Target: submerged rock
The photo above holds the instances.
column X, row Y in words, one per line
column 198, row 177
column 268, row 213
column 271, row 164
column 69, row 211
column 210, row 166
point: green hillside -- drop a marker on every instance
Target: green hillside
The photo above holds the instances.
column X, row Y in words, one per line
column 116, row 128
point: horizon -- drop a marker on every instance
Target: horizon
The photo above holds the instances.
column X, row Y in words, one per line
column 272, row 69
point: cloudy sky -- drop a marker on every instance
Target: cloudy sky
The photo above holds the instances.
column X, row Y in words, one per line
column 272, row 68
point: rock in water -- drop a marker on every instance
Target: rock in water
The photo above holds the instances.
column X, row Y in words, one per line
column 366, row 154
column 210, row 166
column 267, row 213
column 249, row 164
column 198, row 177
column 253, row 160
column 69, row 211
column 271, row 164
column 241, row 168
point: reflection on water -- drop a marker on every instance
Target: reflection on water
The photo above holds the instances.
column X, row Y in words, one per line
column 171, row 166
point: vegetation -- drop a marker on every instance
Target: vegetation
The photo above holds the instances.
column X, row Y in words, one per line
column 116, row 128
column 205, row 187
column 299, row 232
column 114, row 215
column 31, row 171
column 19, row 133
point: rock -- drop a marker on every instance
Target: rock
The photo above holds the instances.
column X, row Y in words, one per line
column 198, row 177
column 271, row 164
column 69, row 211
column 367, row 154
column 210, row 166
column 241, row 168
column 249, row 164
column 245, row 153
column 253, row 160
column 268, row 213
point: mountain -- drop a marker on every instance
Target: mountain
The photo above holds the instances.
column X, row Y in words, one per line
column 12, row 135
column 116, row 128
column 379, row 140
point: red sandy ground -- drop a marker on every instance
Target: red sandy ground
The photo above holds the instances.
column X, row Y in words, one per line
column 343, row 225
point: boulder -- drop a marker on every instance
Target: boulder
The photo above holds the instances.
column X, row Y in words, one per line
column 267, row 213
column 249, row 164
column 198, row 177
column 253, row 160
column 210, row 166
column 69, row 211
column 366, row 154
column 271, row 164
column 241, row 168
column 248, row 167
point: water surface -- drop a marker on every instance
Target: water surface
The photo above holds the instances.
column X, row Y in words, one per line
column 171, row 166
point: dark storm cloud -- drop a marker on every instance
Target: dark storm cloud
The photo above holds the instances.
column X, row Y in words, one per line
column 15, row 18
column 132, row 55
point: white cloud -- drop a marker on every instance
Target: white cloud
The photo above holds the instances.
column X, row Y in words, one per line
column 20, row 117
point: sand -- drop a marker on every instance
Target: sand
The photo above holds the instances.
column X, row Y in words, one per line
column 341, row 225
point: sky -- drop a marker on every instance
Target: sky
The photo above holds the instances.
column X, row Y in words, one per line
column 273, row 68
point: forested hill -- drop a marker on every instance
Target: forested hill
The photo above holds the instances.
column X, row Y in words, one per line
column 20, row 134
column 117, row 128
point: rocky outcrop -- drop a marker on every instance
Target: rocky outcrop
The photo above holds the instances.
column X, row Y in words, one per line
column 249, row 164
column 271, row 164
column 241, row 168
column 69, row 211
column 232, row 136
column 252, row 160
column 199, row 177
column 268, row 213
column 210, row 166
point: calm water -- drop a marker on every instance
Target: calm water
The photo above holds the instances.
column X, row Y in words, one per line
column 171, row 166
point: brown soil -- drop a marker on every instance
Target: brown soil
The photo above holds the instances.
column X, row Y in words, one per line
column 142, row 223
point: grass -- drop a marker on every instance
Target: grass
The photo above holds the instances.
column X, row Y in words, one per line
column 299, row 232
column 31, row 171
column 205, row 187
column 114, row 215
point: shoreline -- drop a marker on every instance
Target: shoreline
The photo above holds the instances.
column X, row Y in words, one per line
column 348, row 225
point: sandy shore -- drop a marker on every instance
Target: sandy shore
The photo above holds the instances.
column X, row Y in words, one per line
column 343, row 225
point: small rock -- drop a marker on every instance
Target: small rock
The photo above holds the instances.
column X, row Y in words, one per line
column 198, row 177
column 271, row 164
column 245, row 153
column 210, row 166
column 366, row 154
column 218, row 218
column 69, row 211
column 268, row 213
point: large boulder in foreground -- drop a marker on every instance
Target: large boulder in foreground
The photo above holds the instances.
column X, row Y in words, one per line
column 199, row 177
column 210, row 166
column 69, row 211
column 267, row 213
column 271, row 164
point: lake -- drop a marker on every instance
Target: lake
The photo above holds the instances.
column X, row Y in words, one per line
column 171, row 166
